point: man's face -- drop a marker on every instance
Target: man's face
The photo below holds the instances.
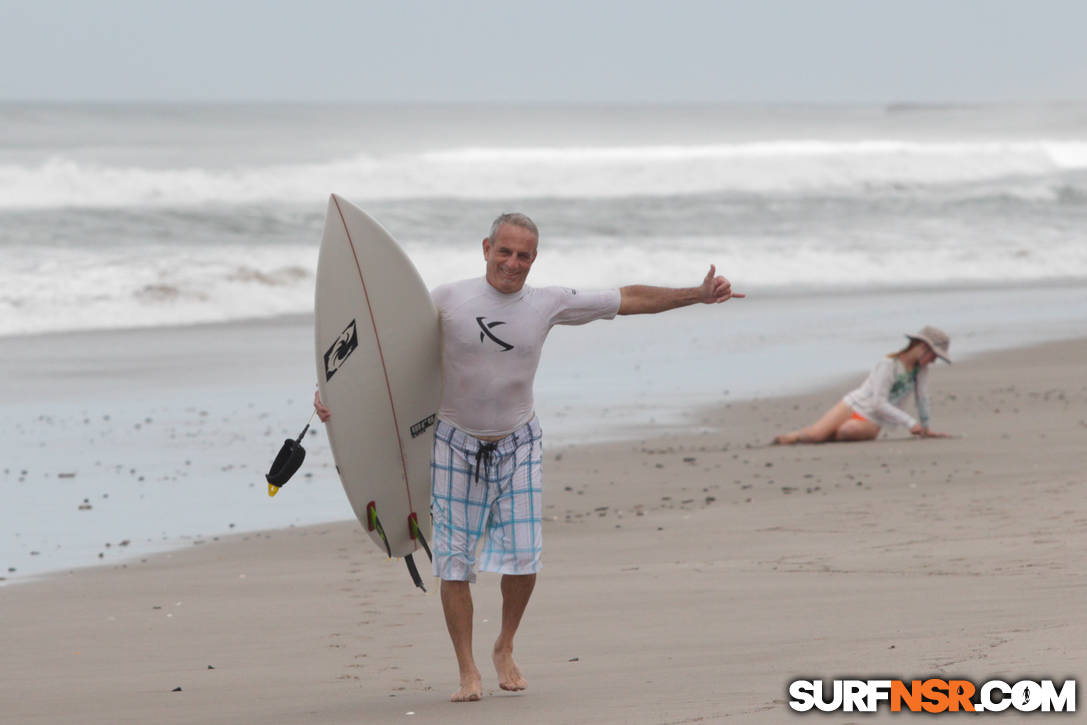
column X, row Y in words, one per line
column 509, row 257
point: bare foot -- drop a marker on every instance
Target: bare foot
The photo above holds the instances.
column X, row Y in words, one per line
column 786, row 439
column 509, row 677
column 471, row 688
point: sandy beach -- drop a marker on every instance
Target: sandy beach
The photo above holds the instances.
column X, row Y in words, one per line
column 688, row 578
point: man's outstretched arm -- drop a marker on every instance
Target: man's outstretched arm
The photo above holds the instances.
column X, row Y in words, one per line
column 641, row 299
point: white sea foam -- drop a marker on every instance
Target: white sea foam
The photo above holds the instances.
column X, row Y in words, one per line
column 555, row 172
column 80, row 288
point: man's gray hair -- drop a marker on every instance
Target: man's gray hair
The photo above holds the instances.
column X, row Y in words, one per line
column 517, row 220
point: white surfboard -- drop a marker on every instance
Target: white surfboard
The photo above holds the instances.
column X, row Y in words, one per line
column 378, row 372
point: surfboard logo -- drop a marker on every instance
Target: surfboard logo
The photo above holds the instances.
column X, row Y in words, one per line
column 418, row 428
column 340, row 350
column 486, row 327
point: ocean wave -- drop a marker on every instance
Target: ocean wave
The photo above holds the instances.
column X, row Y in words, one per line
column 156, row 285
column 167, row 286
column 1066, row 154
column 779, row 167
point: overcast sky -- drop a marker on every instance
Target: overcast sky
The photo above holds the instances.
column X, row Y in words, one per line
column 544, row 50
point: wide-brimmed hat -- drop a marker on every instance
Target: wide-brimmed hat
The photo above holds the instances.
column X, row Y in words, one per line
column 936, row 339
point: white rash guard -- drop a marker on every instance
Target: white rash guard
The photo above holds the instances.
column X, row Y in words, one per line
column 880, row 396
column 491, row 345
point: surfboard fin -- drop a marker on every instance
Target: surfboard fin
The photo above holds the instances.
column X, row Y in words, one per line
column 373, row 523
column 414, row 572
column 417, row 534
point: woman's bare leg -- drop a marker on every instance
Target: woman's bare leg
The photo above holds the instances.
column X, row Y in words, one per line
column 856, row 430
column 822, row 430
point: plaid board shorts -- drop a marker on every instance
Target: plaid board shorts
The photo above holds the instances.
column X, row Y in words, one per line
column 482, row 488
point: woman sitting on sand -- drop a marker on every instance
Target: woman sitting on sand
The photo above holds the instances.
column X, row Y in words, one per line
column 860, row 414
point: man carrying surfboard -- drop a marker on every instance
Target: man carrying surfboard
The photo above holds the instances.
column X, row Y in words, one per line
column 486, row 482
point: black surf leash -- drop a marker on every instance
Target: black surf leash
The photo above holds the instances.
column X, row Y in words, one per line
column 287, row 461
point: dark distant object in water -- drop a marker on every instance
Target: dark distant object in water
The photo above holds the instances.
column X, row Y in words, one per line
column 157, row 293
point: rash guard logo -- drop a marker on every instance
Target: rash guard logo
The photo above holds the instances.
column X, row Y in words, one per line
column 486, row 328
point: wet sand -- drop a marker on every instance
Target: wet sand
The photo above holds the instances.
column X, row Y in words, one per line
column 688, row 578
